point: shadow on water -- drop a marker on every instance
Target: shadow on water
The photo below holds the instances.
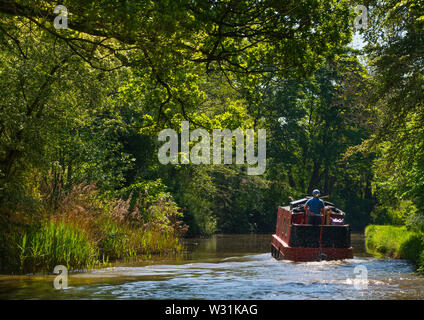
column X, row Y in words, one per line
column 230, row 267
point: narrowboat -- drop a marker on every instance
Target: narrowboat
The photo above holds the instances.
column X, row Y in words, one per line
column 296, row 240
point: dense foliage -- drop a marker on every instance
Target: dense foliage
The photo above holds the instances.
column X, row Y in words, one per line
column 81, row 109
column 396, row 48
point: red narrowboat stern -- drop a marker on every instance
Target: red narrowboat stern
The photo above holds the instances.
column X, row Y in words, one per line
column 297, row 241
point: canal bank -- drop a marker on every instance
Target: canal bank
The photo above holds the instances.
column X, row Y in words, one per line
column 396, row 242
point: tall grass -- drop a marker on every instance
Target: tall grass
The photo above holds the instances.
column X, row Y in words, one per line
column 56, row 243
column 396, row 242
column 86, row 231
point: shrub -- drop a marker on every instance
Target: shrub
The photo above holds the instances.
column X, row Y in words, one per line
column 421, row 262
column 397, row 213
column 411, row 247
column 415, row 222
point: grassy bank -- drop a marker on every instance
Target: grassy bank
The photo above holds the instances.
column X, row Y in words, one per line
column 87, row 231
column 396, row 242
column 63, row 243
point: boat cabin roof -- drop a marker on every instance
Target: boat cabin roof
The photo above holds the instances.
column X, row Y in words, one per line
column 300, row 202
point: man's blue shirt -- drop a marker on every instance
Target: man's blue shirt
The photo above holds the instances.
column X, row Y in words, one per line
column 315, row 205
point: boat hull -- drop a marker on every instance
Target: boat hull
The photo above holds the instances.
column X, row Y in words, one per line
column 281, row 250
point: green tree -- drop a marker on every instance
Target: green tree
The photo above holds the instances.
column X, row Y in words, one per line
column 312, row 124
column 167, row 40
column 395, row 53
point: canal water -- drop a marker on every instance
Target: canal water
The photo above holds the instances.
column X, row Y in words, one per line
column 230, row 267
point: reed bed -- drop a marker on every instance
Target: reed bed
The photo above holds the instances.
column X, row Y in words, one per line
column 56, row 243
column 86, row 232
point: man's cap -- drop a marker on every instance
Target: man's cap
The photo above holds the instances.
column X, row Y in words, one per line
column 315, row 192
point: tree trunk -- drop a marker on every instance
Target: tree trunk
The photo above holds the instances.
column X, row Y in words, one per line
column 315, row 177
